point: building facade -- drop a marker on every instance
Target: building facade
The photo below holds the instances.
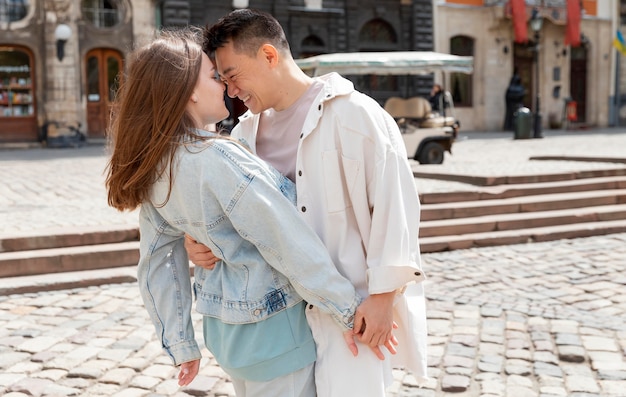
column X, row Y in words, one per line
column 60, row 59
column 553, row 71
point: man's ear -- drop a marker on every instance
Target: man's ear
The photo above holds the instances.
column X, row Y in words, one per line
column 269, row 54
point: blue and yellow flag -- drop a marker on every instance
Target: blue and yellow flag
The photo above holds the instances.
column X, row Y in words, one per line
column 620, row 43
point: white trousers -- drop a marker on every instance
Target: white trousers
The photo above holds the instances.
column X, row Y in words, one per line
column 296, row 384
column 337, row 372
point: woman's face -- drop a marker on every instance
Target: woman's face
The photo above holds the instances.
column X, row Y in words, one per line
column 206, row 104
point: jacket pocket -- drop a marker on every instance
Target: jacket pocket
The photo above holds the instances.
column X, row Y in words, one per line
column 340, row 174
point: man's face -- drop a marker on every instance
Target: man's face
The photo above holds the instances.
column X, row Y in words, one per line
column 246, row 77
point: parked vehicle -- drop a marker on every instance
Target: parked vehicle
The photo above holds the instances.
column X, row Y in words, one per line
column 427, row 135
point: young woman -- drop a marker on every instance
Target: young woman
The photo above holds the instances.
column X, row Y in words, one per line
column 190, row 181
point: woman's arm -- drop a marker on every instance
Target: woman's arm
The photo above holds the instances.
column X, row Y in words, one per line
column 165, row 286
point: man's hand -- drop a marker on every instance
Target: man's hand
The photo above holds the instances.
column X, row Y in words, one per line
column 373, row 323
column 348, row 336
column 188, row 372
column 200, row 254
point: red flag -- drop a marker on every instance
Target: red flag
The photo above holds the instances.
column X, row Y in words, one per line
column 520, row 28
column 572, row 29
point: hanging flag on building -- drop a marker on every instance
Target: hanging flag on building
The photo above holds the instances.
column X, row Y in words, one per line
column 520, row 27
column 572, row 28
column 619, row 42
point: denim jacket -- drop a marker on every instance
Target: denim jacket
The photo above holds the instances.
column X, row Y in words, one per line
column 243, row 210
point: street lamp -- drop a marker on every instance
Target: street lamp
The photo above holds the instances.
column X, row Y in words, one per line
column 535, row 24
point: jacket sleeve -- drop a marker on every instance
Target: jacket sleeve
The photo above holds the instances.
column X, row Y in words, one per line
column 165, row 285
column 290, row 246
column 388, row 194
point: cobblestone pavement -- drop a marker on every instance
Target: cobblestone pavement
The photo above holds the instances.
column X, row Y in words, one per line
column 543, row 319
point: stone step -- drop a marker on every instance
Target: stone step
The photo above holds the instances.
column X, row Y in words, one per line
column 525, row 220
column 25, row 284
column 544, row 202
column 67, row 237
column 526, row 189
column 520, row 236
column 67, row 259
column 518, row 179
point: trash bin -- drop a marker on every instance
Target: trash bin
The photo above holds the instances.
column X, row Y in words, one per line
column 522, row 123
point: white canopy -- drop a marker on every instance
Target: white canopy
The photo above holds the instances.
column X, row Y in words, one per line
column 392, row 62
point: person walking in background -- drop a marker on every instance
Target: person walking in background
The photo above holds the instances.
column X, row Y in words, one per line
column 354, row 187
column 189, row 181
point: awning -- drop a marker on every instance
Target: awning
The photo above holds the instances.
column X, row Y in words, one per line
column 386, row 63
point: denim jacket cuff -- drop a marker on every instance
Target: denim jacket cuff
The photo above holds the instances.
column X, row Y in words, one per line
column 184, row 351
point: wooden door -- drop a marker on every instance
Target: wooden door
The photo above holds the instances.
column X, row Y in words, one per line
column 103, row 66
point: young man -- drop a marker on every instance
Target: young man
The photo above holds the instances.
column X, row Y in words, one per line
column 354, row 187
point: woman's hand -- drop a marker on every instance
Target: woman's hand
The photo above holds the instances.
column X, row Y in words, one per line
column 188, row 372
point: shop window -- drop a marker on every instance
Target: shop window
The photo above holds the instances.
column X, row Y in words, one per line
column 461, row 83
column 13, row 10
column 102, row 13
column 16, row 84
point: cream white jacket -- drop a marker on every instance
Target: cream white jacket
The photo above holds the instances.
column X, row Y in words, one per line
column 356, row 189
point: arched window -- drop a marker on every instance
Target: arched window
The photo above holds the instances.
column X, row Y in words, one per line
column 377, row 35
column 312, row 45
column 460, row 83
column 13, row 10
column 102, row 13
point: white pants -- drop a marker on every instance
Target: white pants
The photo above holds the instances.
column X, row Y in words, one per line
column 337, row 372
column 295, row 384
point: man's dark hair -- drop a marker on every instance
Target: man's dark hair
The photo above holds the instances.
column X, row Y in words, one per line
column 248, row 29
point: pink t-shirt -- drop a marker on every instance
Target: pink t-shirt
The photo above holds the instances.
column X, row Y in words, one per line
column 279, row 132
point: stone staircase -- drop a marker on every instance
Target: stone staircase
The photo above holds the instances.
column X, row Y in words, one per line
column 499, row 211
column 522, row 209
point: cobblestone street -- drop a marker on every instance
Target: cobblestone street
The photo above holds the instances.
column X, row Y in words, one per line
column 531, row 320
column 545, row 319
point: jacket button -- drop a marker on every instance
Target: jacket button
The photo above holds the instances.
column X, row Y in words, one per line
column 257, row 312
column 310, row 307
column 303, row 209
column 301, row 135
column 300, row 173
column 319, row 107
column 418, row 273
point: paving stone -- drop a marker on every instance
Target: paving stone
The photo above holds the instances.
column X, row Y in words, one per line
column 37, row 344
column 160, row 371
column 31, row 386
column 548, row 370
column 553, row 391
column 118, row 376
column 571, row 354
column 457, row 361
column 11, row 358
column 581, row 384
column 146, row 382
column 455, row 383
column 519, row 391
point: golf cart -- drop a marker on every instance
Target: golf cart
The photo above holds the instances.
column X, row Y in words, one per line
column 426, row 134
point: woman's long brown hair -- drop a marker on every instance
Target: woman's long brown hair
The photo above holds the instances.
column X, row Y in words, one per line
column 149, row 119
